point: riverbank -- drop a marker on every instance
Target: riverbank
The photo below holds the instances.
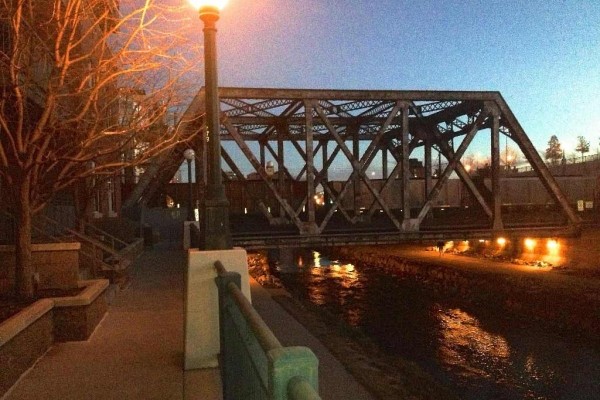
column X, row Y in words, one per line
column 564, row 296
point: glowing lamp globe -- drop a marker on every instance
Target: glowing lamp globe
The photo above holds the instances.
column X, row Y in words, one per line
column 189, row 154
column 200, row 4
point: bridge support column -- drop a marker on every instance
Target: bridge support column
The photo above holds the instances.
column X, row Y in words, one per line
column 325, row 174
column 428, row 183
column 384, row 161
column 356, row 181
column 497, row 224
column 286, row 256
column 405, row 166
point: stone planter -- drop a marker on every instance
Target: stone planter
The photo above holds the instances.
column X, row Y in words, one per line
column 57, row 265
column 76, row 317
column 25, row 337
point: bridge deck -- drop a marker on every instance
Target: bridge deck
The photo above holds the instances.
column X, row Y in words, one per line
column 255, row 232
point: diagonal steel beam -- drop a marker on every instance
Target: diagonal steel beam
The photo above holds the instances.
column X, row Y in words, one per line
column 357, row 167
column 232, row 164
column 250, row 156
column 525, row 145
column 452, row 162
column 460, row 169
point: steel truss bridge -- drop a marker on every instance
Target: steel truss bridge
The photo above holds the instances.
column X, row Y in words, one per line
column 304, row 134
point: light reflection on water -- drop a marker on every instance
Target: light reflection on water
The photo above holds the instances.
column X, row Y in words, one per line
column 461, row 331
column 482, row 357
column 321, row 274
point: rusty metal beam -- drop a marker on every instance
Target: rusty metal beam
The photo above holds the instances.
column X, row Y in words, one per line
column 232, row 164
column 357, row 167
column 447, row 151
column 250, row 242
column 405, row 171
column 525, row 145
column 497, row 224
column 451, row 166
column 261, row 171
column 310, row 94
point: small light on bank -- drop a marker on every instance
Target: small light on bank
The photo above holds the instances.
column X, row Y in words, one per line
column 530, row 244
column 552, row 245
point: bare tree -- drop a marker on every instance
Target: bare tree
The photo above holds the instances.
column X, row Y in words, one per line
column 583, row 146
column 68, row 72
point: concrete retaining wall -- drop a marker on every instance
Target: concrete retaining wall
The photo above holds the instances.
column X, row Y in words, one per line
column 26, row 336
column 57, row 265
column 30, row 337
column 564, row 308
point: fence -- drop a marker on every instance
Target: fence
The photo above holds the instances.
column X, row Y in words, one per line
column 562, row 163
column 254, row 365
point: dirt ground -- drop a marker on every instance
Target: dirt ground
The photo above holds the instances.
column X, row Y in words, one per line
column 582, row 255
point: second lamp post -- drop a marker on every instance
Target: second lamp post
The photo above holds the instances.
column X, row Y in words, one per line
column 217, row 235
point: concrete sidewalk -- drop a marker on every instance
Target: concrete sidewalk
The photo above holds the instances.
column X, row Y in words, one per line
column 136, row 351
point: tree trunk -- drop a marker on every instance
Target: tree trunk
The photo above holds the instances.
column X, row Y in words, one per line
column 24, row 268
column 82, row 198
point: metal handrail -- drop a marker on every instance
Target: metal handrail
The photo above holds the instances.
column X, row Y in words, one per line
column 275, row 372
column 113, row 239
column 300, row 389
column 265, row 336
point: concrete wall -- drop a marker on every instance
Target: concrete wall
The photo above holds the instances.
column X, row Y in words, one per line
column 26, row 336
column 201, row 331
column 20, row 352
column 563, row 308
column 168, row 222
column 56, row 264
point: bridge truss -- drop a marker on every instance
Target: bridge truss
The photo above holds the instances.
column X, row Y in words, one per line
column 305, row 134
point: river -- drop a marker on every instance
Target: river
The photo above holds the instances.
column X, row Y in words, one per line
column 478, row 355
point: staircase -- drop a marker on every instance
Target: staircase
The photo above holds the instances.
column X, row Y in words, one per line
column 101, row 254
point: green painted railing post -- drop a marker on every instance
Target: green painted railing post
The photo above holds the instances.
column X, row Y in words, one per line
column 300, row 389
column 286, row 363
column 226, row 329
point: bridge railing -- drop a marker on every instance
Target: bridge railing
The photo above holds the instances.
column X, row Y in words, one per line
column 254, row 364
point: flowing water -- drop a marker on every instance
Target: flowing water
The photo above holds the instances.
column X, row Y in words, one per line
column 478, row 355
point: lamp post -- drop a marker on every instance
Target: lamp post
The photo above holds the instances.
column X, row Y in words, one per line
column 189, row 155
column 216, row 207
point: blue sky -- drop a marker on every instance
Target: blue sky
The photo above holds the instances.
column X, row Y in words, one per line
column 543, row 56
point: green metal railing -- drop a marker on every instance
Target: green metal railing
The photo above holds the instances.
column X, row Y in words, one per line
column 254, row 364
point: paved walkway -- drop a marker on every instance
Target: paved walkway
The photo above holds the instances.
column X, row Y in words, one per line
column 136, row 352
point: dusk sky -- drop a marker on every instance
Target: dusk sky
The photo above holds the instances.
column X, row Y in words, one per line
column 543, row 56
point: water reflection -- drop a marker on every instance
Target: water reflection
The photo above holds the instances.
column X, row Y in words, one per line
column 464, row 343
column 480, row 356
column 323, row 277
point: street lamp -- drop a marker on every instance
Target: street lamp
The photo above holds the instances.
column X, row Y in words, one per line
column 216, row 207
column 189, row 155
